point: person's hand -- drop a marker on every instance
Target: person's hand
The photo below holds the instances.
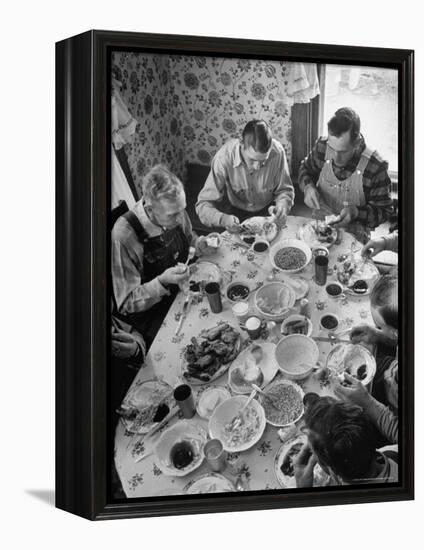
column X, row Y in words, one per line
column 347, row 215
column 355, row 393
column 303, row 466
column 279, row 211
column 365, row 334
column 311, row 197
column 124, row 346
column 373, row 247
column 231, row 223
column 203, row 247
column 174, row 275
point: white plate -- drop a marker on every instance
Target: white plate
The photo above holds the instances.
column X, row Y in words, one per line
column 268, row 366
column 351, row 356
column 307, row 233
column 209, row 483
column 148, row 393
column 369, row 273
column 226, row 412
column 289, row 482
column 301, row 394
column 184, row 430
column 222, row 395
column 260, row 220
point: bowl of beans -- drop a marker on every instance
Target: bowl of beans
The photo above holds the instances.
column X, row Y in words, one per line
column 290, row 255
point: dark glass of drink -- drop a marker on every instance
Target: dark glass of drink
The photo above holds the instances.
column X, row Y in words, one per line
column 184, row 398
column 321, row 267
column 213, row 293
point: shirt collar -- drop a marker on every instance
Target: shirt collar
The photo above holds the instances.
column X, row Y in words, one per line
column 151, row 228
column 238, row 159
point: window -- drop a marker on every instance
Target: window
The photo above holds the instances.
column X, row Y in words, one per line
column 373, row 94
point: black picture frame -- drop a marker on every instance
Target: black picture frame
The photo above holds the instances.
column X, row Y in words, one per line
column 82, row 303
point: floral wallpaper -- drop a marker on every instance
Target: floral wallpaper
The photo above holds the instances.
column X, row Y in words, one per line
column 187, row 107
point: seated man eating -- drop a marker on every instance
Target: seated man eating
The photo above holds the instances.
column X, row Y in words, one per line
column 245, row 179
column 149, row 245
column 342, row 176
column 342, row 440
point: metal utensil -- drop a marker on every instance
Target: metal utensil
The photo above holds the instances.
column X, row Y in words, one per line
column 191, row 254
column 334, row 340
column 184, row 312
column 236, row 421
column 273, row 400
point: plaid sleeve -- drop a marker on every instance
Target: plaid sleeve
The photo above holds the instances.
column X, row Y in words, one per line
column 379, row 204
column 311, row 166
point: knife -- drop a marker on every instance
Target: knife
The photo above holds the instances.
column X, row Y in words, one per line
column 325, row 339
column 183, row 314
column 153, row 430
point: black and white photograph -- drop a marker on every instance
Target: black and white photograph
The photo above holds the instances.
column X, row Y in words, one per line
column 253, row 275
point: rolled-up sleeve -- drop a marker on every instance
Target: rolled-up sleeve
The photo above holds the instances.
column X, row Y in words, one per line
column 379, row 203
column 131, row 295
column 284, row 191
column 212, row 192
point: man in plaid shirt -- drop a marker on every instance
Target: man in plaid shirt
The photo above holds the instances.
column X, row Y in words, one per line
column 343, row 177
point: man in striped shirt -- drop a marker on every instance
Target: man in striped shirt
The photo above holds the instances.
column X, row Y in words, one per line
column 344, row 177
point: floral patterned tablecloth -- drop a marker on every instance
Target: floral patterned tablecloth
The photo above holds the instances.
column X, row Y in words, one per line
column 144, row 478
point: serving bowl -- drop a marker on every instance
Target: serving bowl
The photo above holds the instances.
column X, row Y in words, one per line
column 289, row 243
column 225, row 414
column 296, row 356
column 275, row 294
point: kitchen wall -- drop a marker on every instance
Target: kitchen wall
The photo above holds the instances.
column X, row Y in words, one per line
column 188, row 106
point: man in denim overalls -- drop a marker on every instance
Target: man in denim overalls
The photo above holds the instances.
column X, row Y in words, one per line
column 343, row 177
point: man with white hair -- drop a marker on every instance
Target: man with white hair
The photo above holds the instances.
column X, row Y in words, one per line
column 150, row 244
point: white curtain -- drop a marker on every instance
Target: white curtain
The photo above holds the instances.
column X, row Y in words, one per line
column 123, row 127
column 303, row 82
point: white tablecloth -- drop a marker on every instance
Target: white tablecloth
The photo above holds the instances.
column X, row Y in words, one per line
column 163, row 361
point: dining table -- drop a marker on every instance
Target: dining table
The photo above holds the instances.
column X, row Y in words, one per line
column 135, row 459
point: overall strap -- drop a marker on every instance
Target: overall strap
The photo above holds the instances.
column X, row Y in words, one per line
column 363, row 161
column 136, row 225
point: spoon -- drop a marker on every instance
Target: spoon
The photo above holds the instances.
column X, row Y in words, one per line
column 271, row 399
column 191, row 253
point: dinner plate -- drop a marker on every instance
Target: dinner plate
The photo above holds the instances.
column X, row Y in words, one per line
column 289, row 481
column 259, row 221
column 209, row 483
column 147, row 395
column 247, row 434
column 222, row 369
column 268, row 366
column 369, row 273
column 308, row 234
column 187, row 431
column 350, row 357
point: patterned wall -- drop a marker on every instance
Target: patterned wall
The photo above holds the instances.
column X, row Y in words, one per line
column 187, row 106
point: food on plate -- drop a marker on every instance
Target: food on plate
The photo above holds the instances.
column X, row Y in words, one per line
column 331, row 218
column 148, row 404
column 258, row 226
column 238, row 291
column 238, row 433
column 287, row 466
column 276, row 304
column 360, row 286
column 353, row 359
column 248, row 239
column 214, row 347
column 182, row 454
column 290, row 257
column 345, row 271
column 297, row 326
column 324, row 232
column 210, row 399
column 213, row 240
column 282, row 404
column 247, row 374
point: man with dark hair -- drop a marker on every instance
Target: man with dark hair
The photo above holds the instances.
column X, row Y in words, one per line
column 246, row 177
column 342, row 440
column 342, row 176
